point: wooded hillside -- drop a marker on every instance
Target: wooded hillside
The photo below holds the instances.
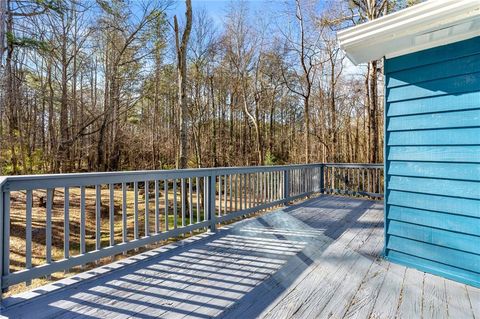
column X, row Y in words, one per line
column 92, row 86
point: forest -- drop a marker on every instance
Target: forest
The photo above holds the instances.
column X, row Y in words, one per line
column 112, row 85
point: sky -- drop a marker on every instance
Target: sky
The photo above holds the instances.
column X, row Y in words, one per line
column 218, row 8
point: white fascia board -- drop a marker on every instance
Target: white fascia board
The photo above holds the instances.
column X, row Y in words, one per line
column 439, row 22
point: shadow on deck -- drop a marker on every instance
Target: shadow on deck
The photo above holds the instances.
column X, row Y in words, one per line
column 316, row 259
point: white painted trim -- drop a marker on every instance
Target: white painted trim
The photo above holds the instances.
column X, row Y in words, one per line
column 396, row 34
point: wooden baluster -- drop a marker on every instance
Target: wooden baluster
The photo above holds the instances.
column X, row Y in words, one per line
column 205, row 198
column 198, row 198
column 28, row 233
column 220, row 194
column 184, row 201
column 135, row 210
column 66, row 223
column 124, row 212
column 157, row 206
column 190, row 205
column 175, row 213
column 165, row 187
column 6, row 236
column 225, row 193
column 82, row 221
column 48, row 228
column 111, row 212
column 236, row 191
column 147, row 208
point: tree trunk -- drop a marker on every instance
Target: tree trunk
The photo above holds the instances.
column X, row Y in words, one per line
column 181, row 82
column 62, row 156
column 373, row 87
column 333, row 116
column 306, row 101
column 10, row 103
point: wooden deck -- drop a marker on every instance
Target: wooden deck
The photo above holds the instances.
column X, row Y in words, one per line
column 318, row 259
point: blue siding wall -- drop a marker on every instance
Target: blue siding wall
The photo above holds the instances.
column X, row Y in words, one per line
column 433, row 160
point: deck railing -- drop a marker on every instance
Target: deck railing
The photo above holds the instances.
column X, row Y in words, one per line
column 61, row 221
column 354, row 179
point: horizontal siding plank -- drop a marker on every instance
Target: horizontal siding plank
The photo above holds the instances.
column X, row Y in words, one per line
column 452, row 257
column 454, row 85
column 434, row 55
column 437, row 237
column 457, row 223
column 444, row 103
column 434, row 267
column 464, row 136
column 465, row 154
column 448, row 68
column 459, row 171
column 458, row 119
column 464, row 189
column 452, row 205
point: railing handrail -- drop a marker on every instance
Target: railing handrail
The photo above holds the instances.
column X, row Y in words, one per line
column 16, row 182
column 354, row 165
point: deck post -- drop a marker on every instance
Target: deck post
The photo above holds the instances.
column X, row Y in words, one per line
column 286, row 185
column 211, row 202
column 5, row 232
column 322, row 179
column 1, row 240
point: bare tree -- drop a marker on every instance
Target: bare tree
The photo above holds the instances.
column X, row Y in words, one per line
column 370, row 10
column 202, row 54
column 181, row 46
column 307, row 52
column 3, row 31
column 86, row 91
column 240, row 45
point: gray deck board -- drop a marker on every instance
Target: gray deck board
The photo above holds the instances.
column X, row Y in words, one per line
column 317, row 259
column 474, row 295
column 458, row 303
column 411, row 302
column 386, row 304
column 434, row 298
column 361, row 305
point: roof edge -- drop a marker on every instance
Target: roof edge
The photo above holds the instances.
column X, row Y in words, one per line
column 396, row 34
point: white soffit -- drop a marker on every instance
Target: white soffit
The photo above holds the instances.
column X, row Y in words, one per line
column 422, row 26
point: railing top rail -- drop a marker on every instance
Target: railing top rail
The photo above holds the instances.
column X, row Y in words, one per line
column 42, row 181
column 354, row 165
